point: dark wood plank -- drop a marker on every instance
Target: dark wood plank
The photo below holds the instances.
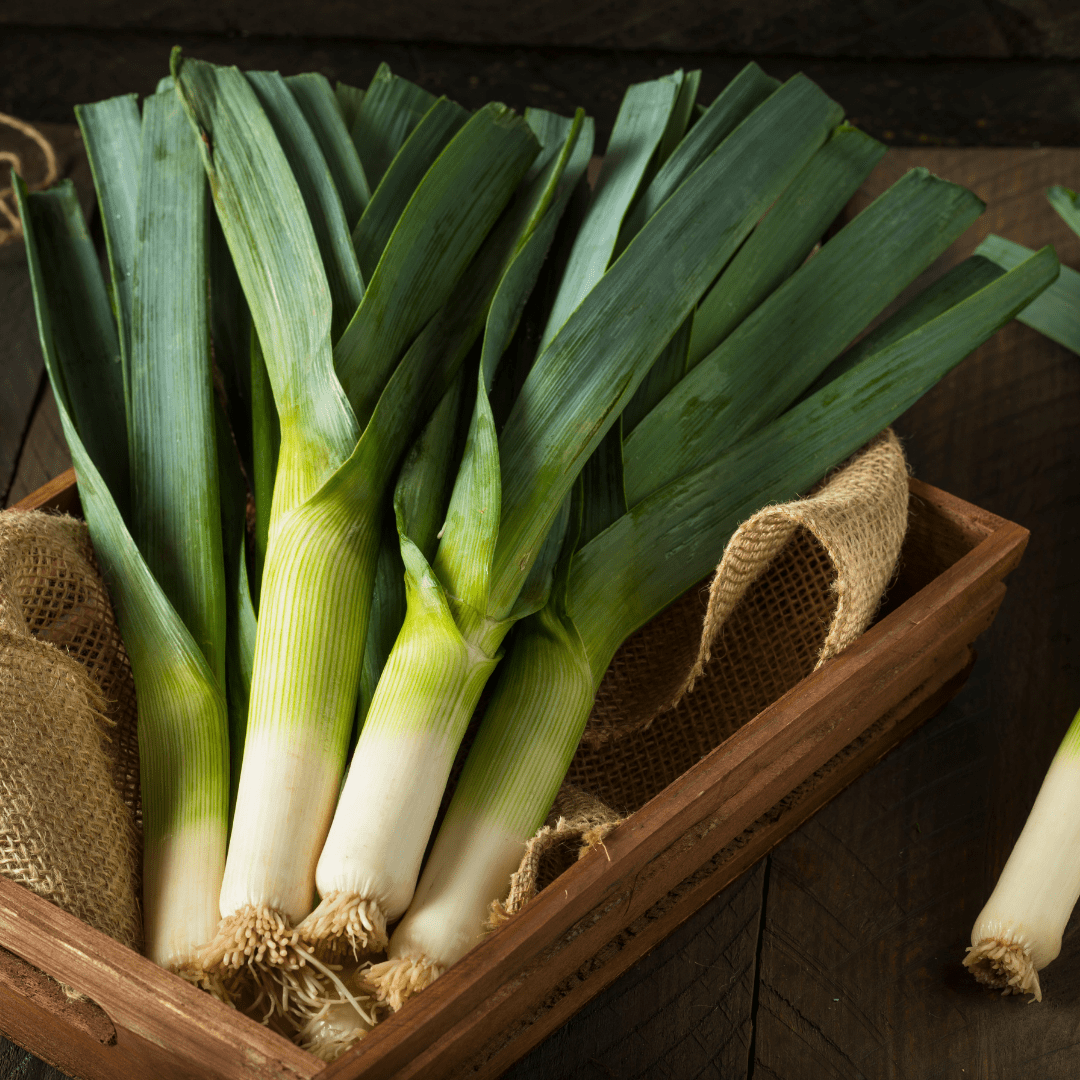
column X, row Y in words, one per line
column 44, row 454
column 956, row 102
column 702, row 977
column 966, row 28
column 22, row 371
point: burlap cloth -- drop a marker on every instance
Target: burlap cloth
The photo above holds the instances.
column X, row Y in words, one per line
column 68, row 751
column 796, row 585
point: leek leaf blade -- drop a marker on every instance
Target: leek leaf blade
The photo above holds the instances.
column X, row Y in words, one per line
column 277, row 258
column 111, row 131
column 321, row 197
column 323, row 114
column 571, row 398
column 390, row 109
column 441, row 229
column 1066, row 204
column 639, row 127
column 1056, row 313
column 791, row 337
column 373, row 229
column 735, row 102
column 176, row 515
column 673, row 539
column 776, row 248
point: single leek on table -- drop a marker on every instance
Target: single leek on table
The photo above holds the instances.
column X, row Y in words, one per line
column 1018, row 932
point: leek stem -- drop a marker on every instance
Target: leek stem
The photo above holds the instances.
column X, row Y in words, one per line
column 1018, row 932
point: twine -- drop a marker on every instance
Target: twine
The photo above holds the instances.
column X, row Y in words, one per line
column 8, row 210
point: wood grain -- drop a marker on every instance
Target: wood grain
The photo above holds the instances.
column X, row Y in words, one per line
column 163, row 1025
column 965, row 28
column 47, row 71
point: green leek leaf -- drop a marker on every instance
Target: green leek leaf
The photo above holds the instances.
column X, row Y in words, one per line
column 583, row 380
column 349, row 100
column 780, row 243
column 1056, row 313
column 736, row 101
column 792, row 336
column 672, row 539
column 111, row 131
column 277, row 258
column 441, row 229
column 372, row 231
column 391, row 108
column 320, row 195
column 176, row 515
column 1065, row 203
column 639, row 127
column 323, row 115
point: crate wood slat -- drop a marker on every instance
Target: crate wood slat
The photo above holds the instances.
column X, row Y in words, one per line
column 155, row 1013
column 658, row 922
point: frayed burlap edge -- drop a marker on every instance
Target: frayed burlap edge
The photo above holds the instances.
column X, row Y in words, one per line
column 859, row 516
column 577, row 818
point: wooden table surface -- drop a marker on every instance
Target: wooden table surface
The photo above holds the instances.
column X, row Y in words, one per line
column 839, row 955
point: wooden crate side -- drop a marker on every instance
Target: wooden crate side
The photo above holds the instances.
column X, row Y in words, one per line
column 517, row 1038
column 37, row 988
column 829, row 708
column 145, row 1003
column 60, row 494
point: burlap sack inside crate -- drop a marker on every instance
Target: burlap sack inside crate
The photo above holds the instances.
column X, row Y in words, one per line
column 797, row 584
column 68, row 746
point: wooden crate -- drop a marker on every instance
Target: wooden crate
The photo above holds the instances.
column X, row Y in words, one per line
column 602, row 914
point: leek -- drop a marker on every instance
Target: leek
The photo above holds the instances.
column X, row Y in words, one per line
column 340, row 444
column 1018, row 932
column 493, row 565
column 612, row 584
column 1056, row 313
column 183, row 738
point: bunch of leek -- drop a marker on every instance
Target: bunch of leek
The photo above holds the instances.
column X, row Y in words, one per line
column 495, row 557
column 1019, row 930
column 348, row 409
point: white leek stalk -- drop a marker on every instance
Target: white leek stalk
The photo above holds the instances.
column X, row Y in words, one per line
column 1018, row 932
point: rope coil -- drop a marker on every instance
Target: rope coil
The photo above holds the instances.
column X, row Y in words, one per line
column 8, row 213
